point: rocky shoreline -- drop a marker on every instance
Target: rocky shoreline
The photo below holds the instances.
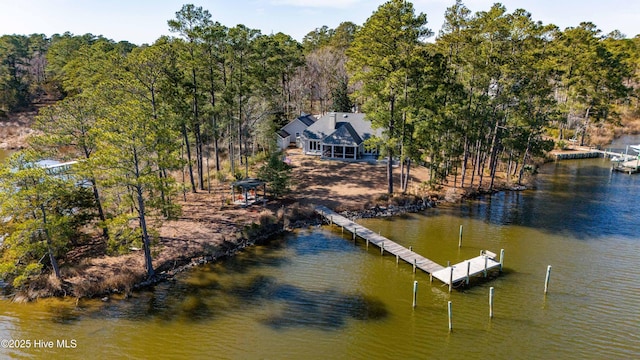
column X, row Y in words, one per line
column 225, row 250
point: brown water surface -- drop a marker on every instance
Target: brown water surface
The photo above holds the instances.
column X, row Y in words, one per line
column 316, row 295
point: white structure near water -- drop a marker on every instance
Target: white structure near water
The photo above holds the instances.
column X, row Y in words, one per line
column 335, row 135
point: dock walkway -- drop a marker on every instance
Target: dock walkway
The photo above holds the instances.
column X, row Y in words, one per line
column 444, row 274
column 463, row 271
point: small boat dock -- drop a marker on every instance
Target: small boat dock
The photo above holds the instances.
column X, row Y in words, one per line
column 465, row 270
column 621, row 161
column 449, row 275
column 628, row 166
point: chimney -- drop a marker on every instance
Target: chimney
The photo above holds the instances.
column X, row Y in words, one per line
column 332, row 120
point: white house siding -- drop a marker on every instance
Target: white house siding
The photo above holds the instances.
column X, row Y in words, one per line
column 296, row 127
column 283, row 143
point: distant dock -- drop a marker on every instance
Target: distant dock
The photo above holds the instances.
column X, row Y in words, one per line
column 450, row 275
column 622, row 162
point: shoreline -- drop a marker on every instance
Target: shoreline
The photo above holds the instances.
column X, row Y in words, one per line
column 288, row 219
column 193, row 243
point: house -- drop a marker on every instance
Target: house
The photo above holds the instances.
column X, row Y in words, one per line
column 339, row 136
column 290, row 133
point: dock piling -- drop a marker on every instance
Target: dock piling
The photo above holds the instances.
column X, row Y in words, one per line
column 415, row 293
column 546, row 280
column 382, row 248
column 501, row 259
column 451, row 279
column 460, row 238
column 450, row 316
column 491, row 302
column 485, row 265
column 468, row 270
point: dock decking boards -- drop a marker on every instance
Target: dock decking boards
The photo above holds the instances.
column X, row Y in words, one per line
column 475, row 266
column 436, row 270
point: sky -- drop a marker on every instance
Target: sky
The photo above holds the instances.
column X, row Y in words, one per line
column 144, row 21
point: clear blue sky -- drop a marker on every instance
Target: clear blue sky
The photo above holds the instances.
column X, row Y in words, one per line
column 143, row 21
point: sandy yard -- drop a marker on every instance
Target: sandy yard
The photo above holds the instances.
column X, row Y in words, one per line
column 343, row 185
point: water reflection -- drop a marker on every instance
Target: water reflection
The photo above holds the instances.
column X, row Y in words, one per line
column 324, row 243
column 579, row 198
column 211, row 291
column 297, row 307
column 317, row 295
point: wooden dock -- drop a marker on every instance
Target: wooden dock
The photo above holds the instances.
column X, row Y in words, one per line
column 629, row 166
column 465, row 270
column 480, row 264
column 622, row 162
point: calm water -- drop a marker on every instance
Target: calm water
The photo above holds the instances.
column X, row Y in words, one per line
column 316, row 295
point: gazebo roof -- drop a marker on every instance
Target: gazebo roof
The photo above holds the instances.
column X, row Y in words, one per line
column 248, row 183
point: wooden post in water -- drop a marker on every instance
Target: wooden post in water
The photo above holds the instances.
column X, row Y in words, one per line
column 355, row 233
column 411, row 248
column 546, row 280
column 491, row 302
column 460, row 238
column 331, row 220
column 501, row 259
column 415, row 293
column 342, row 227
column 451, row 279
column 382, row 248
column 450, row 316
column 485, row 265
column 414, row 266
column 397, row 259
column 468, row 270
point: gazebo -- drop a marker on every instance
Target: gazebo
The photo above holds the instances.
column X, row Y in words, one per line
column 248, row 191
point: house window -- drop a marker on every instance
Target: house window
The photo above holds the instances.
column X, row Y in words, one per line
column 314, row 145
column 350, row 152
column 370, row 151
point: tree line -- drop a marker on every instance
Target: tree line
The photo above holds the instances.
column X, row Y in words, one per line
column 147, row 123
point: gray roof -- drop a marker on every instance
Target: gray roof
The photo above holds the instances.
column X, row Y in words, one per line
column 248, row 183
column 344, row 135
column 350, row 129
column 307, row 119
column 282, row 133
